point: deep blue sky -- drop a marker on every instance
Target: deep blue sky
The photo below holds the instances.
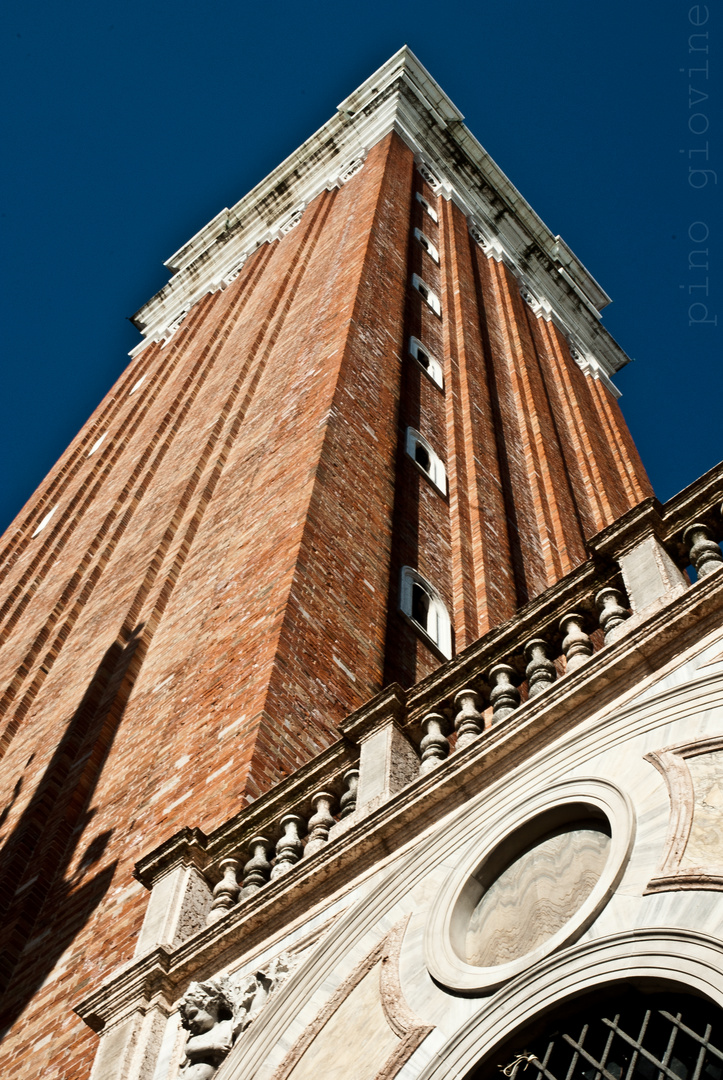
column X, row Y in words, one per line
column 128, row 126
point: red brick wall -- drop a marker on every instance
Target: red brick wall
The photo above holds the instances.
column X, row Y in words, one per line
column 219, row 584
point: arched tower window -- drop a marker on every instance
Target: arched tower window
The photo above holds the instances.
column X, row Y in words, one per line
column 621, row 1033
column 421, row 452
column 427, row 245
column 428, row 295
column 426, row 207
column 422, row 605
column 428, row 363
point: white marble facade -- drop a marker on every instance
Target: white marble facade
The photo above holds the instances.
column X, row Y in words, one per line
column 361, row 1000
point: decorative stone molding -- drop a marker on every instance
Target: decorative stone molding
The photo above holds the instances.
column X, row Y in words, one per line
column 663, row 956
column 215, row 1013
column 452, row 910
column 401, row 97
column 693, row 858
column 236, row 270
column 405, row 1025
column 351, row 170
column 426, row 173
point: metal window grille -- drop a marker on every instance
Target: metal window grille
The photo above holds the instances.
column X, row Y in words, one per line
column 629, row 1037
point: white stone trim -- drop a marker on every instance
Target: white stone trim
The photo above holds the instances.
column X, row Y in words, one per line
column 669, row 956
column 402, row 97
column 454, row 904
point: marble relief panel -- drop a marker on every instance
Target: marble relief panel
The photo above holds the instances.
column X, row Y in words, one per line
column 693, row 856
column 366, row 1030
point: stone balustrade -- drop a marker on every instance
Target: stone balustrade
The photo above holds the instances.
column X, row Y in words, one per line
column 636, row 567
column 295, row 836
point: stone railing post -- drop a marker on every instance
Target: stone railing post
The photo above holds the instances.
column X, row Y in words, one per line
column 649, row 574
column 387, row 760
column 288, row 846
column 435, row 744
column 257, row 870
column 320, row 822
column 576, row 644
column 226, row 893
column 703, row 552
column 180, row 897
column 540, row 671
column 612, row 612
column 505, row 696
column 468, row 720
column 347, row 803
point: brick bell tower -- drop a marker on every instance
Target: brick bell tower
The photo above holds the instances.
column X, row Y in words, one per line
column 371, row 417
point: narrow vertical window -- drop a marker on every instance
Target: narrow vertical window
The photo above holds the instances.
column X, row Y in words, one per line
column 428, row 363
column 430, row 298
column 426, row 459
column 97, row 444
column 44, row 522
column 427, row 208
column 427, row 245
column 424, row 608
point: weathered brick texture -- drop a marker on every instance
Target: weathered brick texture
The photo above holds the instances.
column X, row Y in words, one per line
column 218, row 585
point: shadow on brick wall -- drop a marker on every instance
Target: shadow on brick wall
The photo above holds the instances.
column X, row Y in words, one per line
column 42, row 908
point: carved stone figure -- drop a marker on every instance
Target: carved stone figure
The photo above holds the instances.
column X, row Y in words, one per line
column 207, row 1014
column 216, row 1012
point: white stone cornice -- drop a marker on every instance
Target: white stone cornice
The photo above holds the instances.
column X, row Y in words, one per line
column 403, row 97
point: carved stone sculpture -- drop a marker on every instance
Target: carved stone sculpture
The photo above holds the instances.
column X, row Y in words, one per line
column 207, row 1014
column 217, row 1012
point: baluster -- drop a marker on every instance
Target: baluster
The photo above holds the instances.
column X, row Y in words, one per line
column 319, row 823
column 435, row 744
column 347, row 803
column 226, row 892
column 258, row 869
column 469, row 721
column 289, row 846
column 703, row 552
column 540, row 671
column 576, row 645
column 505, row 696
column 612, row 612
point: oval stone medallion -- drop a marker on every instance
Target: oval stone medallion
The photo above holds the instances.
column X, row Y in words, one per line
column 536, row 893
